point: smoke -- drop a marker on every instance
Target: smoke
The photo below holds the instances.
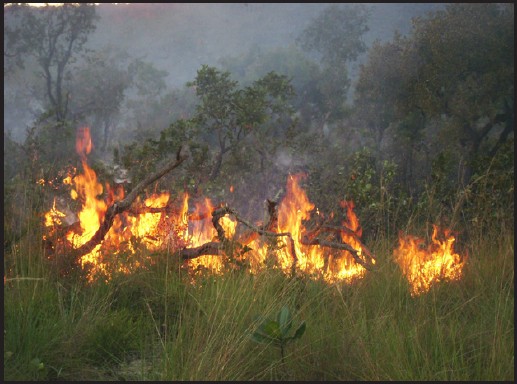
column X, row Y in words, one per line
column 283, row 159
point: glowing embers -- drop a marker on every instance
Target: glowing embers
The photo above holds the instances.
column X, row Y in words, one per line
column 424, row 266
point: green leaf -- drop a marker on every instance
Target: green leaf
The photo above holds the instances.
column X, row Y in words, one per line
column 261, row 338
column 269, row 329
column 284, row 320
column 299, row 332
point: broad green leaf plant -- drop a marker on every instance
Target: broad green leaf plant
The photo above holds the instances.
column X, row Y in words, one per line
column 276, row 332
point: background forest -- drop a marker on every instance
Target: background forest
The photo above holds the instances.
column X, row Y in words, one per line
column 406, row 109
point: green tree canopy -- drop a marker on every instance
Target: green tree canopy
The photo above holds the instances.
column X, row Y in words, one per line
column 448, row 85
column 466, row 72
column 228, row 113
column 336, row 34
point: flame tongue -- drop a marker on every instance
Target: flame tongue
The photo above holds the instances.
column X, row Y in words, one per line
column 315, row 260
column 83, row 142
column 424, row 266
column 293, row 210
column 155, row 228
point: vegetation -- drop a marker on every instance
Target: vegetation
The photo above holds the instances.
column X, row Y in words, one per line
column 276, row 331
column 427, row 138
column 157, row 325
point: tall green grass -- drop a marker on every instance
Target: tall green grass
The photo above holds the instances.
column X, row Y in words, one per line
column 158, row 325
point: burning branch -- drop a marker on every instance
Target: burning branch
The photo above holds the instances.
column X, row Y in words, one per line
column 325, row 243
column 218, row 213
column 311, row 238
column 215, row 248
column 158, row 217
column 124, row 204
column 211, row 248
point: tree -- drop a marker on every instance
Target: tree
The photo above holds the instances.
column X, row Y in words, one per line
column 97, row 92
column 444, row 90
column 53, row 36
column 466, row 74
column 147, row 108
column 380, row 84
column 227, row 114
column 336, row 38
column 336, row 34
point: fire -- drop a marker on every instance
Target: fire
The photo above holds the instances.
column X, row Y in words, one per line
column 158, row 222
column 88, row 190
column 53, row 217
column 313, row 260
column 202, row 231
column 346, row 267
column 156, row 225
column 153, row 229
column 423, row 266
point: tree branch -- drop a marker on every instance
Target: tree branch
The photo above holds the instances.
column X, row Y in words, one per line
column 124, row 204
column 343, row 246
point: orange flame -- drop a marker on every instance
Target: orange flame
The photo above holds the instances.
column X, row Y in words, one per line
column 155, row 226
column 83, row 142
column 53, row 217
column 313, row 260
column 202, row 231
column 423, row 266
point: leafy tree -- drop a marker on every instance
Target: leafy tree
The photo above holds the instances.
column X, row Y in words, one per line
column 466, row 74
column 148, row 80
column 146, row 107
column 379, row 87
column 446, row 87
column 336, row 34
column 231, row 137
column 54, row 36
column 226, row 114
column 336, row 37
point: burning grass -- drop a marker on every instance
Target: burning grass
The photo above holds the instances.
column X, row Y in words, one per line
column 208, row 238
column 427, row 265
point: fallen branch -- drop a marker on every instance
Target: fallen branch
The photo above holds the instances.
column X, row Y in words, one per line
column 309, row 239
column 325, row 243
column 220, row 212
column 211, row 248
column 124, row 204
column 227, row 246
column 310, row 236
